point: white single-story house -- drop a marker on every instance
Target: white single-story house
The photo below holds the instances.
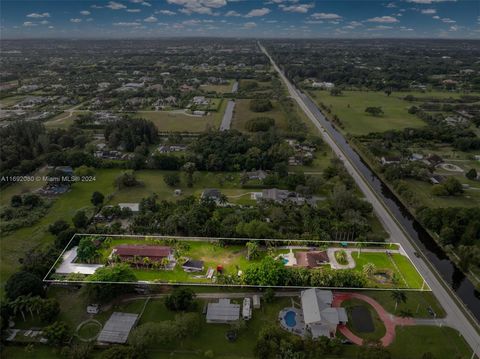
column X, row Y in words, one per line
column 134, row 207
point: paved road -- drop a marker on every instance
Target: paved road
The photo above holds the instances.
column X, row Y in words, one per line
column 227, row 116
column 456, row 317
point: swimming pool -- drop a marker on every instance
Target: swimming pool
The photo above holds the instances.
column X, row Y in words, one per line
column 285, row 260
column 290, row 318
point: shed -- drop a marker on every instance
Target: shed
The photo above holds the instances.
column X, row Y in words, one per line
column 117, row 328
column 223, row 312
column 192, row 265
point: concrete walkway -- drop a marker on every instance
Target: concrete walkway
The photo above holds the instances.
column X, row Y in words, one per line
column 390, row 321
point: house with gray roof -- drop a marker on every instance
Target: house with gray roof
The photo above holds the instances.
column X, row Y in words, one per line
column 320, row 318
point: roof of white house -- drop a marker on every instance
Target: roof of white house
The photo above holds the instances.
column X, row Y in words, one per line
column 316, row 306
column 68, row 266
column 135, row 207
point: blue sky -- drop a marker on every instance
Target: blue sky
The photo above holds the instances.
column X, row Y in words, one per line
column 240, row 18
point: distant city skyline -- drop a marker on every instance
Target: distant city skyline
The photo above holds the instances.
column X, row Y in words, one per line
column 241, row 18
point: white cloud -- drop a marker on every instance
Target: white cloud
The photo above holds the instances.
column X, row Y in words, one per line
column 126, row 24
column 380, row 27
column 89, row 19
column 115, row 5
column 383, row 19
column 436, row 17
column 427, row 1
column 44, row 22
column 314, row 22
column 249, row 25
column 85, row 12
column 76, row 21
column 300, row 8
column 258, row 12
column 51, row 27
column 133, row 10
column 203, row 7
column 355, row 23
column 271, row 21
column 454, row 28
column 391, row 5
column 191, row 22
column 429, row 11
column 35, row 15
column 96, row 7
column 232, row 13
column 403, row 28
column 29, row 24
column 165, row 12
column 325, row 16
column 447, row 20
column 151, row 19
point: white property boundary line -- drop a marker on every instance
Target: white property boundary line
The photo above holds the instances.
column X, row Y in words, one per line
column 216, row 239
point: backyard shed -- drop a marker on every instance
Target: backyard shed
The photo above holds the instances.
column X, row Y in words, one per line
column 117, row 328
column 223, row 312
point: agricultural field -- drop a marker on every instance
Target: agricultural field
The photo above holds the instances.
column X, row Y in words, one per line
column 350, row 108
column 64, row 120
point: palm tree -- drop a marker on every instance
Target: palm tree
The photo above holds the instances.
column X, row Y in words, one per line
column 18, row 306
column 156, row 265
column 146, row 262
column 399, row 296
column 164, row 262
column 136, row 259
column 360, row 245
column 369, row 269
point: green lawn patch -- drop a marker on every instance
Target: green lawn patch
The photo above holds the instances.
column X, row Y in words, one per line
column 177, row 121
column 242, row 114
column 417, row 303
column 442, row 342
column 350, row 108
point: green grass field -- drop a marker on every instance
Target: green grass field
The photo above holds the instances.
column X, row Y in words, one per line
column 417, row 303
column 152, row 182
column 14, row 245
column 242, row 114
column 225, row 88
column 442, row 342
column 397, row 263
column 63, row 120
column 10, row 101
column 170, row 121
column 350, row 108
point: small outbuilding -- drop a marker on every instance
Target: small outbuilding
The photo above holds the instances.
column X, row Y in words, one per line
column 117, row 328
column 223, row 312
column 192, row 265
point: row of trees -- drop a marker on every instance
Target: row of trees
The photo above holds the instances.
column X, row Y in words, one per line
column 272, row 272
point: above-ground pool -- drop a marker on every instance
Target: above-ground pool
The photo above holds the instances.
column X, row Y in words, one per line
column 290, row 318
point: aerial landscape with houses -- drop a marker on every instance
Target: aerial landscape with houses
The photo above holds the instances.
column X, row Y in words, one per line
column 230, row 197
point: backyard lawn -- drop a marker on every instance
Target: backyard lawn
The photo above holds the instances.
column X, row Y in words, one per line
column 350, row 108
column 407, row 275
